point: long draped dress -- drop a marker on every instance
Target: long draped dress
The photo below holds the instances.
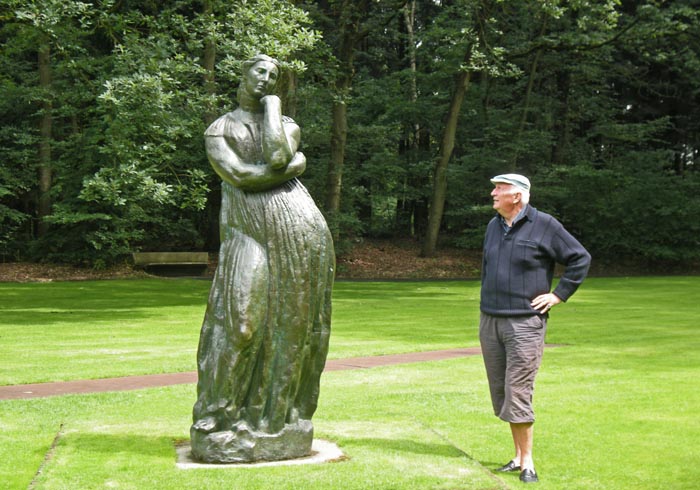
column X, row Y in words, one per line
column 265, row 333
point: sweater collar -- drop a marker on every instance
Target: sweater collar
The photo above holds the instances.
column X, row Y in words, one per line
column 523, row 215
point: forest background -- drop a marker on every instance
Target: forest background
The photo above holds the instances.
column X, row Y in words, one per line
column 406, row 109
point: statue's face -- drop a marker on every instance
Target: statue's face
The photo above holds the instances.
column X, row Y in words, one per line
column 261, row 78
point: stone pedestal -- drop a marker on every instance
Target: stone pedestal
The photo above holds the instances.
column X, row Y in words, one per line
column 243, row 445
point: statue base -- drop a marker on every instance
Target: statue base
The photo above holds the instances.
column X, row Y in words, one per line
column 243, row 445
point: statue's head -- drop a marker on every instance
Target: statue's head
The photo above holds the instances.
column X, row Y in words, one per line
column 247, row 64
column 260, row 74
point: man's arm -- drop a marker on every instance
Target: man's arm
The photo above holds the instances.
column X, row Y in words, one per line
column 576, row 261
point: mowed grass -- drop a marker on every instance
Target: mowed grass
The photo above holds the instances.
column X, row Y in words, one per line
column 616, row 402
column 99, row 329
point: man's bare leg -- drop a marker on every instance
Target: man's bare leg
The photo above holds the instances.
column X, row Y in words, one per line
column 522, row 438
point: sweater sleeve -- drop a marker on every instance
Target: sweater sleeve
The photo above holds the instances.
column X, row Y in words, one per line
column 576, row 260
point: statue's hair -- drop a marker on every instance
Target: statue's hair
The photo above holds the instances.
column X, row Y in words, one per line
column 261, row 57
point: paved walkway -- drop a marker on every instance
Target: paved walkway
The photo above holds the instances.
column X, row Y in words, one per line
column 154, row 380
column 39, row 390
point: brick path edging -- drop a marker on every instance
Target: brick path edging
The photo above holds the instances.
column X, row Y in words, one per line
column 126, row 383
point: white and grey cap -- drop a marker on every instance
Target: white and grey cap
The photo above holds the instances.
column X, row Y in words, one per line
column 516, row 180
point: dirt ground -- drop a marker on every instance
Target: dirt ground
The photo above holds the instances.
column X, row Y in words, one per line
column 28, row 272
column 368, row 259
column 400, row 259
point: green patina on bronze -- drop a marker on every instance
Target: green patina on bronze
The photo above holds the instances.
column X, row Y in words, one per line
column 264, row 338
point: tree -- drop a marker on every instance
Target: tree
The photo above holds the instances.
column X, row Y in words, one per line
column 446, row 146
column 595, row 101
column 151, row 180
column 474, row 46
column 46, row 28
column 347, row 19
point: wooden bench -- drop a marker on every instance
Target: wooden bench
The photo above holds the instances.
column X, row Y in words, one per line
column 172, row 263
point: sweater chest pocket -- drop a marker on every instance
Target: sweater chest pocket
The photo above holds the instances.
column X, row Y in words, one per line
column 530, row 254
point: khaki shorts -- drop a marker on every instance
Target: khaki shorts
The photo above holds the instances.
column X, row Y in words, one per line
column 512, row 349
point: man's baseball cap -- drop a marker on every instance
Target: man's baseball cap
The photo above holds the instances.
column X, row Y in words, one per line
column 513, row 179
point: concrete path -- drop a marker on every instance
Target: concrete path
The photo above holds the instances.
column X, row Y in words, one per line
column 38, row 390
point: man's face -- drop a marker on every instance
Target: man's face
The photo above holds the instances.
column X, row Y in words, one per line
column 505, row 198
column 261, row 78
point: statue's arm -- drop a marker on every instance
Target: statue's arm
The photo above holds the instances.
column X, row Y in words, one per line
column 280, row 138
column 246, row 176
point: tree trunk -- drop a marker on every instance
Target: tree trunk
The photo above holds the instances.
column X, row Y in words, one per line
column 406, row 207
column 334, row 178
column 209, row 65
column 213, row 240
column 409, row 20
column 45, row 167
column 289, row 94
column 528, row 95
column 349, row 15
column 562, row 128
column 437, row 203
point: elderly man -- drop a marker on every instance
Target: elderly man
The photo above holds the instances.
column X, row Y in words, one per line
column 521, row 247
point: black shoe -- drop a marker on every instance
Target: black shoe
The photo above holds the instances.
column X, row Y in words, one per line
column 528, row 476
column 510, row 466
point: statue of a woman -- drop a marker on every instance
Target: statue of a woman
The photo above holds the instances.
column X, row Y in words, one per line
column 265, row 333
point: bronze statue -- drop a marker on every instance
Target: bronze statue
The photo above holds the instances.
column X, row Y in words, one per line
column 265, row 333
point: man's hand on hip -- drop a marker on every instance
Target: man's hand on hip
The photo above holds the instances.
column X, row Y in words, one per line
column 544, row 302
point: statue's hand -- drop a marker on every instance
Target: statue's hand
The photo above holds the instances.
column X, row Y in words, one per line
column 271, row 101
column 297, row 166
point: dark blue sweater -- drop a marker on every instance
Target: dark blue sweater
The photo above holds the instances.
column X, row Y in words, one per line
column 519, row 265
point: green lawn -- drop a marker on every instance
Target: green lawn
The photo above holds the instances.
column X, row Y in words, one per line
column 616, row 403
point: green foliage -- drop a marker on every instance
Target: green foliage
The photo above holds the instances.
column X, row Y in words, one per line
column 129, row 103
column 631, row 212
column 613, row 165
column 582, row 96
column 13, row 183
